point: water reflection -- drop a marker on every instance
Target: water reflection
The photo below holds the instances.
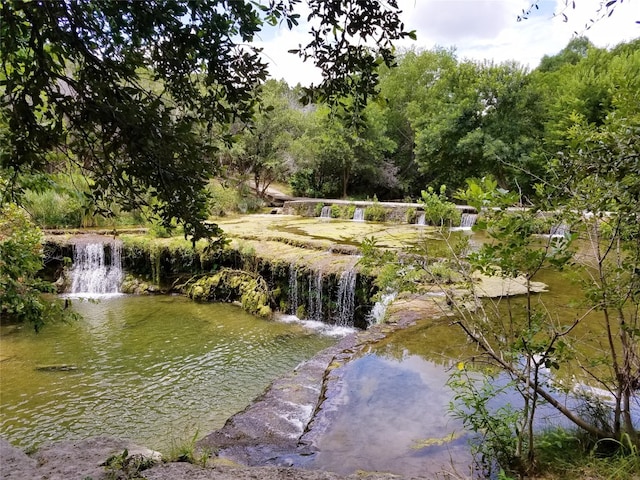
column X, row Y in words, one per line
column 388, row 414
column 153, row 369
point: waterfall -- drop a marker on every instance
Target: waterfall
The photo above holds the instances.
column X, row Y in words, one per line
column 379, row 310
column 468, row 220
column 293, row 289
column 97, row 268
column 315, row 297
column 559, row 231
column 420, row 220
column 326, row 212
column 358, row 215
column 346, row 298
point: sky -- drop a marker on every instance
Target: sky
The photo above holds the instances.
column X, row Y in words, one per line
column 479, row 30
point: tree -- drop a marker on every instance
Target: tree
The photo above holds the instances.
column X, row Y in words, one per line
column 128, row 90
column 478, row 119
column 605, row 9
column 595, row 177
column 335, row 156
column 263, row 148
column 405, row 91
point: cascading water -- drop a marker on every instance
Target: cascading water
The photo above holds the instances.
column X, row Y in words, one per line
column 468, row 220
column 559, row 231
column 97, row 268
column 314, row 312
column 346, row 298
column 325, row 212
column 358, row 215
column 379, row 310
column 420, row 219
column 293, row 289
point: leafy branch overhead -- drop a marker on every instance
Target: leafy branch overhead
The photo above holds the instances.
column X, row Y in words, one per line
column 605, row 10
column 137, row 93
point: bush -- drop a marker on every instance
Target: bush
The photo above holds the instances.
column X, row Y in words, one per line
column 437, row 209
column 52, row 209
column 375, row 212
column 337, row 211
column 21, row 297
column 225, row 200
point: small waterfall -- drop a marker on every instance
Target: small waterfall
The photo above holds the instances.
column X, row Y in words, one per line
column 468, row 220
column 293, row 289
column 559, row 231
column 346, row 298
column 358, row 215
column 326, row 212
column 379, row 310
column 314, row 311
column 420, row 219
column 97, row 268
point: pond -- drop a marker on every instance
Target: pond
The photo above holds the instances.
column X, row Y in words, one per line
column 153, row 369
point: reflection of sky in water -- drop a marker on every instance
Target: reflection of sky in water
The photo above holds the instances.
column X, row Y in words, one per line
column 382, row 410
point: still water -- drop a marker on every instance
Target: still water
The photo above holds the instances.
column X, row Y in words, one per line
column 152, row 369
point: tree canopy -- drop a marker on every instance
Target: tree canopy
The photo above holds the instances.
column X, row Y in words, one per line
column 138, row 94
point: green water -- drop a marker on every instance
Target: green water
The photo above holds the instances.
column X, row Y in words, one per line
column 153, row 369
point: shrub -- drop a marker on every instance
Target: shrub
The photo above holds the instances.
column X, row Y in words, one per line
column 21, row 297
column 375, row 212
column 437, row 209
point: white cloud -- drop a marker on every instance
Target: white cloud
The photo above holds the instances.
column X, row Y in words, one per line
column 285, row 65
column 480, row 29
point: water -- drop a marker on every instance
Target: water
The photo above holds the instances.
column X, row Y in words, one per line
column 293, row 289
column 358, row 215
column 153, row 369
column 559, row 231
column 326, row 212
column 468, row 220
column 346, row 297
column 382, row 413
column 314, row 307
column 379, row 310
column 97, row 267
column 420, row 219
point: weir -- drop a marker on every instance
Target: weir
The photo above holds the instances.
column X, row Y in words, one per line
column 326, row 289
column 97, row 267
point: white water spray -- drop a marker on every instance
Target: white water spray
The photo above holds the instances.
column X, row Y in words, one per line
column 96, row 270
column 379, row 310
column 325, row 212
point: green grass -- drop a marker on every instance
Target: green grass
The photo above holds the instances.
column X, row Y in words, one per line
column 567, row 454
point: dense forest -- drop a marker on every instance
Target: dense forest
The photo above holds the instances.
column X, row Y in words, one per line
column 440, row 120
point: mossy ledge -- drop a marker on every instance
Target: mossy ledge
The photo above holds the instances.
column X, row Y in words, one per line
column 256, row 273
